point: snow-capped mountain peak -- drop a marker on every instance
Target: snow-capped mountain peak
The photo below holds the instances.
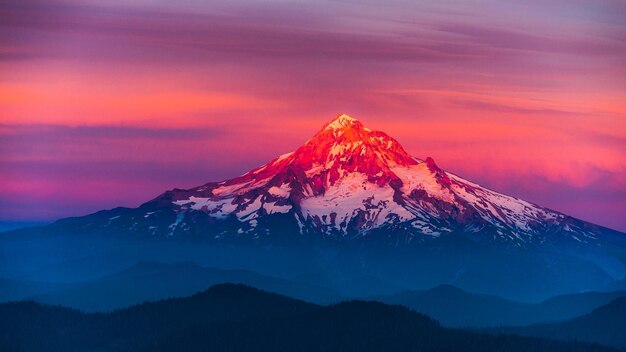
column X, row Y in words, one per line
column 343, row 121
column 346, row 143
column 348, row 181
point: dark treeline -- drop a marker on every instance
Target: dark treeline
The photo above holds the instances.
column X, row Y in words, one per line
column 239, row 318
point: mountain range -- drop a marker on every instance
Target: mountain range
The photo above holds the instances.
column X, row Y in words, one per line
column 605, row 324
column 454, row 307
column 240, row 318
column 151, row 281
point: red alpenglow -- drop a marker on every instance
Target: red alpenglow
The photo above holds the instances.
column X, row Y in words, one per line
column 106, row 104
column 347, row 182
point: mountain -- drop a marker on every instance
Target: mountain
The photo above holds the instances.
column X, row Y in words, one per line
column 152, row 281
column 149, row 281
column 451, row 306
column 239, row 318
column 350, row 205
column 605, row 325
column 346, row 182
column 454, row 307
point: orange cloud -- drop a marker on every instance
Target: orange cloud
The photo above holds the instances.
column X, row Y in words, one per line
column 84, row 104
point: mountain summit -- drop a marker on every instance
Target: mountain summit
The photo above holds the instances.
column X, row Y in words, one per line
column 349, row 182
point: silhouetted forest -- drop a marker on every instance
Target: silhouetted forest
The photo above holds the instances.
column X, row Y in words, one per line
column 239, row 318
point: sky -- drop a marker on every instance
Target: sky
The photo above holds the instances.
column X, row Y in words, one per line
column 109, row 103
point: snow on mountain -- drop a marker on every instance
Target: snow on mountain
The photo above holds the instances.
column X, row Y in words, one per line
column 348, row 181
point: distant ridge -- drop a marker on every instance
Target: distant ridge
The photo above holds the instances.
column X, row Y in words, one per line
column 239, row 318
column 605, row 325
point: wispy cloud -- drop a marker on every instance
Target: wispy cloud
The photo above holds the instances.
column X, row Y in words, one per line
column 512, row 109
column 42, row 132
column 196, row 36
column 503, row 38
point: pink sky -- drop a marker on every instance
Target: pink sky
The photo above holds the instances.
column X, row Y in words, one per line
column 105, row 104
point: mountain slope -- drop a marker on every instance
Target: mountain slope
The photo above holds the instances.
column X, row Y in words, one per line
column 454, row 307
column 239, row 318
column 447, row 304
column 605, row 325
column 28, row 326
column 152, row 281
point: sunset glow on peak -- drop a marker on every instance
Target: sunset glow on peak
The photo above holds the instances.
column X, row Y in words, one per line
column 344, row 119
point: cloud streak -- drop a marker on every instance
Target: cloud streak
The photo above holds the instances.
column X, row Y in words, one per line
column 187, row 36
